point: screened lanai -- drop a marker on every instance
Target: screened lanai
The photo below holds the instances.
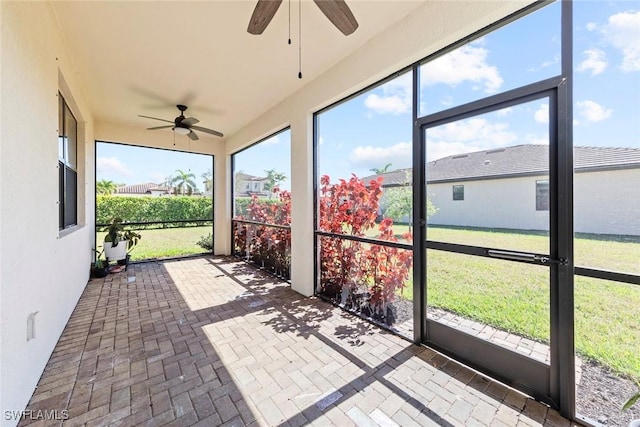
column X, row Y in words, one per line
column 463, row 175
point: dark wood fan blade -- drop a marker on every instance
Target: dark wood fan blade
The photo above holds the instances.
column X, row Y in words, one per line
column 190, row 121
column 160, row 127
column 339, row 14
column 193, row 136
column 262, row 15
column 209, row 131
column 155, row 118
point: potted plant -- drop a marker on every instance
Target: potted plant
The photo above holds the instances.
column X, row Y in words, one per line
column 113, row 248
column 131, row 237
column 99, row 268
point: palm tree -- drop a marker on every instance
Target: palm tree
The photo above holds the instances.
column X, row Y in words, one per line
column 274, row 178
column 208, row 179
column 379, row 171
column 183, row 181
column 106, row 187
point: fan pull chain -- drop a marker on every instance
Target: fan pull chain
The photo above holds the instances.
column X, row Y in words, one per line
column 289, row 21
column 299, row 39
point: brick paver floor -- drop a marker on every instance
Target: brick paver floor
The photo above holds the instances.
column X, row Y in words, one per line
column 212, row 341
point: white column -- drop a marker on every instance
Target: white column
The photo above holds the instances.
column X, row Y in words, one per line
column 221, row 204
column 302, row 256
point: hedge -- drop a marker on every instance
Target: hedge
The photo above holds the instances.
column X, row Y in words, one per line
column 242, row 203
column 153, row 209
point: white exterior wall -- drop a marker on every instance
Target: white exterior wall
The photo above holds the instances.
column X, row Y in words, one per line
column 495, row 203
column 605, row 202
column 429, row 28
column 40, row 270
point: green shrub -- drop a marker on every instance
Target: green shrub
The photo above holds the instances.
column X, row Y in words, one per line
column 153, row 209
column 206, row 242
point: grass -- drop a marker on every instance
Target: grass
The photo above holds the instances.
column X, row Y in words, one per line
column 515, row 297
column 614, row 253
column 167, row 242
column 508, row 295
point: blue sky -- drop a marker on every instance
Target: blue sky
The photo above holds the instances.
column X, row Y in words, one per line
column 374, row 128
column 126, row 164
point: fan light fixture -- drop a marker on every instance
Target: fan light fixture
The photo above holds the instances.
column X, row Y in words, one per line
column 181, row 130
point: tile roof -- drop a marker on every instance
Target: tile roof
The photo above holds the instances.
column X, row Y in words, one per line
column 145, row 188
column 514, row 161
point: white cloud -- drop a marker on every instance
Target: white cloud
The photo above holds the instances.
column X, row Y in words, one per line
column 395, row 97
column 112, row 165
column 467, row 136
column 622, row 31
column 504, row 112
column 468, row 63
column 546, row 64
column 542, row 114
column 591, row 26
column 321, row 141
column 399, row 155
column 439, row 149
column 475, row 132
column 595, row 61
column 592, row 111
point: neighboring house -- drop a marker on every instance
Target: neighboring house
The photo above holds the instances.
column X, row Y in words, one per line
column 509, row 188
column 248, row 185
column 146, row 189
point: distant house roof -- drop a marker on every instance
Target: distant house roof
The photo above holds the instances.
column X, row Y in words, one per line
column 518, row 160
column 145, row 188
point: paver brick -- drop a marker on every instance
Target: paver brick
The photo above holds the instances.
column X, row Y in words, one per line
column 211, row 341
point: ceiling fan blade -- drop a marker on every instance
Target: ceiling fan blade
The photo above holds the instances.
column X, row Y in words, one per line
column 262, row 15
column 209, row 131
column 339, row 14
column 190, row 121
column 155, row 118
column 160, row 127
column 193, row 136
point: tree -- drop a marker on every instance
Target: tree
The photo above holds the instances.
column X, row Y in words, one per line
column 399, row 202
column 379, row 171
column 183, row 181
column 274, row 178
column 106, row 187
column 208, row 180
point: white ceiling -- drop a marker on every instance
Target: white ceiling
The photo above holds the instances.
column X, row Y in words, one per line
column 143, row 57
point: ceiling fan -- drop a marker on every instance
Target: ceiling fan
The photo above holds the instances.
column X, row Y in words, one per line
column 183, row 125
column 336, row 10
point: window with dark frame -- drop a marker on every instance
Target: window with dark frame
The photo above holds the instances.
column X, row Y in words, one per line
column 458, row 192
column 67, row 166
column 542, row 195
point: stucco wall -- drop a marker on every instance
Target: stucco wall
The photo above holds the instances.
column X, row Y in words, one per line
column 606, row 202
column 495, row 203
column 40, row 270
column 431, row 27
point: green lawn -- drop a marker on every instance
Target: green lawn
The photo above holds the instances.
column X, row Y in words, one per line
column 167, row 242
column 515, row 296
column 508, row 295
